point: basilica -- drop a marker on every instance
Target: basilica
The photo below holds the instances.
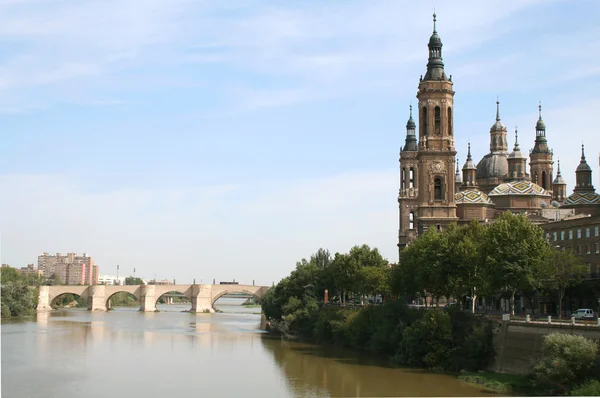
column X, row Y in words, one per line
column 434, row 192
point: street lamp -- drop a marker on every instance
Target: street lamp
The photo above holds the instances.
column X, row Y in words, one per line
column 118, row 282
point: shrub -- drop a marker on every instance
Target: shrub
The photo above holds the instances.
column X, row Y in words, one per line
column 476, row 350
column 568, row 360
column 427, row 342
column 590, row 388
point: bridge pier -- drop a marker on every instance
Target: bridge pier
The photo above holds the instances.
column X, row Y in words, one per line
column 148, row 299
column 44, row 299
column 202, row 298
column 97, row 298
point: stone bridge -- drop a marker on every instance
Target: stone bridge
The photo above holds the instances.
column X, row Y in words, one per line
column 202, row 297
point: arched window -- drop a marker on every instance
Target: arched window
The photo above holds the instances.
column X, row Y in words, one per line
column 535, row 178
column 424, row 121
column 544, row 179
column 450, row 121
column 438, row 189
column 411, row 220
column 411, row 181
column 437, row 120
column 403, row 179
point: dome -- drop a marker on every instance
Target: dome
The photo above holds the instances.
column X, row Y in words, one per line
column 492, row 165
column 583, row 198
column 472, row 196
column 583, row 166
column 519, row 188
column 559, row 180
column 517, row 155
column 540, row 125
column 498, row 126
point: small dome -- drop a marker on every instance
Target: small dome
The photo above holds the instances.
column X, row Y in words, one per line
column 540, row 125
column 583, row 198
column 492, row 165
column 519, row 188
column 517, row 155
column 472, row 196
column 559, row 180
column 583, row 166
column 498, row 126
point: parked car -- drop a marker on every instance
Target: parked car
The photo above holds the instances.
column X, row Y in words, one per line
column 584, row 314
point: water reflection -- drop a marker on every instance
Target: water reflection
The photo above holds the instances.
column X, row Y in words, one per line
column 76, row 353
column 339, row 372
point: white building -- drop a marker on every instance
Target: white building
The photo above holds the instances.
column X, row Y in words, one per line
column 111, row 280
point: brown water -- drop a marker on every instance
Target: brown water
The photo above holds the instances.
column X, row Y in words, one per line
column 125, row 353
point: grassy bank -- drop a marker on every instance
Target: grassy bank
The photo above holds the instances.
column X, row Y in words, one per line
column 500, row 382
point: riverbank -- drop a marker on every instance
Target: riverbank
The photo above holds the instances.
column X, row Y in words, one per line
column 499, row 382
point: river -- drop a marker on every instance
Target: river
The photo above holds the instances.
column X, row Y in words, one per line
column 126, row 353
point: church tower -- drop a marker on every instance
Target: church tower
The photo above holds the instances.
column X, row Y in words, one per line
column 583, row 175
column 540, row 158
column 436, row 153
column 559, row 186
column 407, row 197
column 517, row 163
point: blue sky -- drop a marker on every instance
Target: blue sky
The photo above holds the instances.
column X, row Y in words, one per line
column 229, row 139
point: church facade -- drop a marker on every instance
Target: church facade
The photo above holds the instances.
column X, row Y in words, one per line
column 434, row 192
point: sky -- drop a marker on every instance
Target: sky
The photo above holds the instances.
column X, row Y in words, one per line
column 230, row 139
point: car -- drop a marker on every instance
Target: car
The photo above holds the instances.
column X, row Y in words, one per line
column 584, row 314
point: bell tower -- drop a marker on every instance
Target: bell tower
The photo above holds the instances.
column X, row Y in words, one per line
column 436, row 156
column 540, row 158
column 407, row 197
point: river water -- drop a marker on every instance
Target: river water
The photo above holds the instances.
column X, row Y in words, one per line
column 126, row 353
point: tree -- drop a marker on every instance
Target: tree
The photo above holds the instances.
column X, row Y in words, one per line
column 130, row 280
column 463, row 264
column 566, row 269
column 372, row 280
column 516, row 253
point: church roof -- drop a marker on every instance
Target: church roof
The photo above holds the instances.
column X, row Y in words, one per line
column 519, row 188
column 583, row 198
column 492, row 165
column 472, row 196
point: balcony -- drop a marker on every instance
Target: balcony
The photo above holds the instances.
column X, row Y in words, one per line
column 410, row 193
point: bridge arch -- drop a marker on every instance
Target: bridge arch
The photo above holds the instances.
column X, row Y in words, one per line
column 133, row 291
column 161, row 291
column 76, row 290
column 231, row 290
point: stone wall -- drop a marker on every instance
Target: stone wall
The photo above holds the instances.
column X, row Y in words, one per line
column 519, row 345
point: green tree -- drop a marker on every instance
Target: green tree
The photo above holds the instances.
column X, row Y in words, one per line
column 130, row 280
column 516, row 255
column 372, row 280
column 566, row 269
column 462, row 259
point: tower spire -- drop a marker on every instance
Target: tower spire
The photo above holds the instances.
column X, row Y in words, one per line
column 435, row 65
column 497, row 110
column 469, row 152
column 516, row 148
column 411, row 138
column 582, row 153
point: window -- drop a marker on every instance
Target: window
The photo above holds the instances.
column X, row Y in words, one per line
column 403, row 179
column 411, row 220
column 424, row 122
column 411, row 182
column 438, row 189
column 570, row 234
column 562, row 235
column 547, row 235
column 578, row 233
column 554, row 236
column 597, row 248
column 587, row 232
column 449, row 121
column 544, row 180
column 438, row 227
column 437, row 120
column 578, row 249
column 587, row 249
column 596, row 231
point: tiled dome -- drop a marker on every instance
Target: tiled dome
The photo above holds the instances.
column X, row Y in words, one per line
column 519, row 188
column 472, row 196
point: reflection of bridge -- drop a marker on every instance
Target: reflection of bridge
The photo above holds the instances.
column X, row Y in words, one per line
column 202, row 296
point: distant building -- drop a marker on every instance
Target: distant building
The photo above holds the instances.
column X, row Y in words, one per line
column 580, row 233
column 163, row 282
column 69, row 269
column 111, row 280
column 30, row 270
